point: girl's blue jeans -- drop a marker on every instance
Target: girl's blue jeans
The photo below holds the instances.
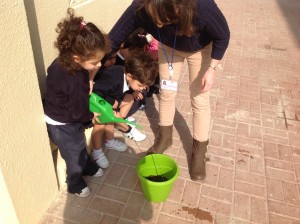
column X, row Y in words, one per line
column 71, row 142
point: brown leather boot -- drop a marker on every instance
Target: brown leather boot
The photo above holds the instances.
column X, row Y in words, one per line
column 163, row 141
column 198, row 160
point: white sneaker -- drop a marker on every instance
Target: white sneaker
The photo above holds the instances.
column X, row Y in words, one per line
column 135, row 135
column 84, row 192
column 100, row 158
column 131, row 119
column 142, row 107
column 99, row 173
column 116, row 145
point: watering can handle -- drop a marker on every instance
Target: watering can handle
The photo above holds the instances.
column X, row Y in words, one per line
column 99, row 105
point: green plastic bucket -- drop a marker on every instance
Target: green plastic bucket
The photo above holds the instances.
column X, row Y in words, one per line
column 157, row 165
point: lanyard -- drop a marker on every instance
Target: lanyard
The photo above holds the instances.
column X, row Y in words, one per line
column 169, row 63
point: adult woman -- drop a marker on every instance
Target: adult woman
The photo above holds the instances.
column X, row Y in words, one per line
column 194, row 30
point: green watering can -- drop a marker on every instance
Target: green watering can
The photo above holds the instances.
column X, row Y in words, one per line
column 99, row 105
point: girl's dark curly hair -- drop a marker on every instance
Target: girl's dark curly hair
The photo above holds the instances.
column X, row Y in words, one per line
column 142, row 67
column 181, row 12
column 77, row 38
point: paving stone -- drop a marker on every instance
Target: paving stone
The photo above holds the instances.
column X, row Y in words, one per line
column 253, row 175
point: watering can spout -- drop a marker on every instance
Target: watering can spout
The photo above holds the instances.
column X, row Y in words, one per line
column 99, row 105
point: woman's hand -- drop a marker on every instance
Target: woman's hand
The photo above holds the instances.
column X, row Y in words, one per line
column 208, row 79
column 209, row 76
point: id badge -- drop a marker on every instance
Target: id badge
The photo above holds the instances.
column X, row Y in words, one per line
column 168, row 84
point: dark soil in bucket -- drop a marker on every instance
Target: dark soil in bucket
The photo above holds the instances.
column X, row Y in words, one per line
column 156, row 178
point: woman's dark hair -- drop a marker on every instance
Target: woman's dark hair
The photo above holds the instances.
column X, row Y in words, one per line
column 75, row 37
column 179, row 12
column 142, row 67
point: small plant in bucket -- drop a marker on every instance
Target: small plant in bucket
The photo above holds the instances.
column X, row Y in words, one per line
column 99, row 105
column 158, row 177
column 157, row 174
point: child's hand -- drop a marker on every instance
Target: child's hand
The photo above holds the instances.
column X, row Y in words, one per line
column 115, row 106
column 92, row 74
column 137, row 95
column 95, row 119
column 117, row 114
column 91, row 86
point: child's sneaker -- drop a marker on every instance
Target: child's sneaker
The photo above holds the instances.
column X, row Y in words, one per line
column 116, row 145
column 131, row 119
column 100, row 158
column 84, row 192
column 142, row 107
column 99, row 173
column 135, row 135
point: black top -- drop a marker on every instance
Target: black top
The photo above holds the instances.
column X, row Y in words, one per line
column 67, row 96
column 211, row 26
column 109, row 83
column 119, row 61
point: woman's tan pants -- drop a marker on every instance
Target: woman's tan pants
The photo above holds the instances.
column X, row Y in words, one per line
column 198, row 63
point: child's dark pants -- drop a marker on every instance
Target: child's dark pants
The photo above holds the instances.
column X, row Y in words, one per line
column 71, row 142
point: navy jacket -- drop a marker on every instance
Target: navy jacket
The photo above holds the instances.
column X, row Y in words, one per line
column 67, row 96
column 210, row 24
column 109, row 83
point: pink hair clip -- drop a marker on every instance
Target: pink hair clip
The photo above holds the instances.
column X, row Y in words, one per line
column 82, row 24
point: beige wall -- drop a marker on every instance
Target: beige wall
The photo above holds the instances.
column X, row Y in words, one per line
column 25, row 155
column 28, row 181
column 7, row 214
column 44, row 16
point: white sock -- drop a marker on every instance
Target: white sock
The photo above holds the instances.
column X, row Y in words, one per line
column 97, row 151
column 109, row 140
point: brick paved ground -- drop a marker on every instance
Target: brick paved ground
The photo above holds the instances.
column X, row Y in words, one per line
column 254, row 169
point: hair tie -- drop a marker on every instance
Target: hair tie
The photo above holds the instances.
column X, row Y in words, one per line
column 82, row 24
column 149, row 38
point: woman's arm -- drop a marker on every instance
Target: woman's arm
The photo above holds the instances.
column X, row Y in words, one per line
column 217, row 27
column 123, row 27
